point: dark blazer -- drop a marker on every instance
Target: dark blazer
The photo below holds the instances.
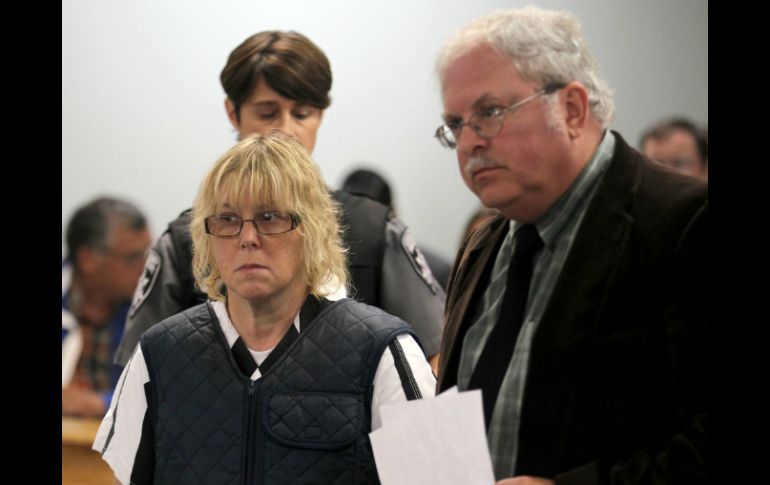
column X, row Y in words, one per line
column 616, row 390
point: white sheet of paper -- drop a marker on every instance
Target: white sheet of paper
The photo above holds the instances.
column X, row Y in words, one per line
column 433, row 440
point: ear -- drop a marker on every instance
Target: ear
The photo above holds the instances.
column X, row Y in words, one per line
column 232, row 114
column 577, row 109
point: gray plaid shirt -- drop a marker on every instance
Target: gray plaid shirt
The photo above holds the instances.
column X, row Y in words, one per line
column 557, row 229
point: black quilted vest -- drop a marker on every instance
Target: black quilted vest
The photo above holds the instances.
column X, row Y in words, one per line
column 305, row 421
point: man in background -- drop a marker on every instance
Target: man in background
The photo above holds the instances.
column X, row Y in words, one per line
column 678, row 143
column 107, row 243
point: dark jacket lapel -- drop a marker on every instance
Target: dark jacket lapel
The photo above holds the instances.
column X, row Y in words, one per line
column 575, row 310
column 472, row 269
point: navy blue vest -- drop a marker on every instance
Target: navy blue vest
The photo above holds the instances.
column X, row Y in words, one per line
column 305, row 421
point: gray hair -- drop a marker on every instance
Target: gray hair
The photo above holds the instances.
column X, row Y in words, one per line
column 546, row 46
column 91, row 224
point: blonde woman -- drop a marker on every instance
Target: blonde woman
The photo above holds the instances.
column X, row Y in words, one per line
column 268, row 381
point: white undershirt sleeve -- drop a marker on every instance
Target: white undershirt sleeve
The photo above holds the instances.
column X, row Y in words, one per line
column 387, row 383
column 124, row 419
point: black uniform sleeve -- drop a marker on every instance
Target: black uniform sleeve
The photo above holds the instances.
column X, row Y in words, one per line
column 166, row 287
column 409, row 290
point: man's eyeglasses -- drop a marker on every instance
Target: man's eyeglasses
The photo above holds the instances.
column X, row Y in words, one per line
column 488, row 122
column 266, row 223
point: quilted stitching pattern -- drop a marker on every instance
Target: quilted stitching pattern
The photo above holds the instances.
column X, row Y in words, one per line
column 199, row 420
column 338, row 354
column 295, row 466
column 311, row 420
column 314, row 400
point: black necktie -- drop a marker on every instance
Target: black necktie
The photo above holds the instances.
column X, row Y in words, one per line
column 496, row 355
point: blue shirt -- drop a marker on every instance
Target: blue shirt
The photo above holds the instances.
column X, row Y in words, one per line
column 70, row 327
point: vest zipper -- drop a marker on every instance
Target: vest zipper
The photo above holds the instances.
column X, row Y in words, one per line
column 250, row 459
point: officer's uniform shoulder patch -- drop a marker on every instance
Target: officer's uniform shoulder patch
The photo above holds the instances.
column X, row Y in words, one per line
column 417, row 259
column 146, row 282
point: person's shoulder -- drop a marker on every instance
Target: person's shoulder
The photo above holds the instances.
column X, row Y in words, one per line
column 662, row 202
column 182, row 221
column 177, row 234
column 352, row 203
column 365, row 222
column 653, row 186
column 486, row 231
column 364, row 313
column 484, row 238
column 196, row 315
column 666, row 191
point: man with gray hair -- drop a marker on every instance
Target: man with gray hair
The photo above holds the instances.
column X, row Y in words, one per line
column 107, row 243
column 580, row 311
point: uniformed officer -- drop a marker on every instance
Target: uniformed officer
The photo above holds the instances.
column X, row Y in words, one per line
column 280, row 81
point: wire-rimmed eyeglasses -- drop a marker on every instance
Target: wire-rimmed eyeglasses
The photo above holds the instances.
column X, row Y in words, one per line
column 266, row 223
column 487, row 122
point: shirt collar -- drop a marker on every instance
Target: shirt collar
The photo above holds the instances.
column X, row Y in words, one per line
column 231, row 334
column 553, row 221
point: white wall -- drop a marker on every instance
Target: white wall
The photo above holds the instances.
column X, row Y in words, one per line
column 142, row 114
